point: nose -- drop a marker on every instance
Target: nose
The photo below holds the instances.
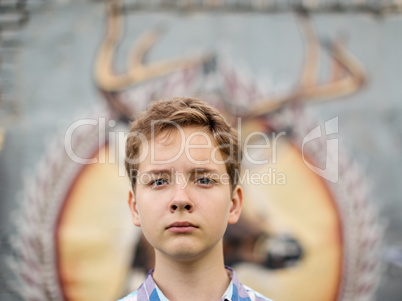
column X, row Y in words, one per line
column 181, row 201
column 179, row 206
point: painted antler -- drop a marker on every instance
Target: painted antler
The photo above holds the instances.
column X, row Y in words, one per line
column 110, row 81
column 348, row 77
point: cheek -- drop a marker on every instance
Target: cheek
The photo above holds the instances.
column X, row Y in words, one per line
column 146, row 214
column 148, row 221
column 219, row 207
column 222, row 199
column 151, row 208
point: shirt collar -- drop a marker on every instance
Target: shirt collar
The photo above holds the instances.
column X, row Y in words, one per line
column 149, row 291
column 236, row 291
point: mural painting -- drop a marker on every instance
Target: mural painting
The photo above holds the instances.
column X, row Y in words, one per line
column 311, row 222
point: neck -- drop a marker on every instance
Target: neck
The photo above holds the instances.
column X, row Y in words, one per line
column 199, row 279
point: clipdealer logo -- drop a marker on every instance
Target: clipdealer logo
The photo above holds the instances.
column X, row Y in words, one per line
column 331, row 170
column 117, row 143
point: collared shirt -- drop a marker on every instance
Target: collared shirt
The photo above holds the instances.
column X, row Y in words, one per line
column 236, row 291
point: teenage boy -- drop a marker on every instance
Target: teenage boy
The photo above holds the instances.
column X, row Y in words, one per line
column 183, row 159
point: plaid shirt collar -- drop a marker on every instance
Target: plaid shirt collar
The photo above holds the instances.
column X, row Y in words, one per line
column 149, row 291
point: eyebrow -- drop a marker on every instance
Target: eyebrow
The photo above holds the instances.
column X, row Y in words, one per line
column 194, row 170
column 159, row 171
column 205, row 170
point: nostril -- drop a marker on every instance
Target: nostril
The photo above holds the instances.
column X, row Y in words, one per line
column 174, row 207
column 188, row 207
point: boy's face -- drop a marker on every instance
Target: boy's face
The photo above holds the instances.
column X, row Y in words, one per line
column 183, row 198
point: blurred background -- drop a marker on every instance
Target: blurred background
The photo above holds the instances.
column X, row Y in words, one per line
column 72, row 73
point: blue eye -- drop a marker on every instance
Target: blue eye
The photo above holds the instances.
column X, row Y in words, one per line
column 159, row 182
column 205, row 181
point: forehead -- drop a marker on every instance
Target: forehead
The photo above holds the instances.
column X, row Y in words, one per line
column 186, row 145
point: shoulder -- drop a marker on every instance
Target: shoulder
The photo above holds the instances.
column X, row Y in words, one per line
column 255, row 296
column 130, row 297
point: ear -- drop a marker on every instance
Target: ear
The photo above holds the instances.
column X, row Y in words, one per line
column 236, row 205
column 133, row 208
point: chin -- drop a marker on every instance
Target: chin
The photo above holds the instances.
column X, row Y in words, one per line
column 185, row 253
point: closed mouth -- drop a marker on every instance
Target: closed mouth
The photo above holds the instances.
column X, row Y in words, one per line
column 181, row 225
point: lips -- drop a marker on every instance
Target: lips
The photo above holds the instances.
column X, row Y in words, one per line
column 181, row 227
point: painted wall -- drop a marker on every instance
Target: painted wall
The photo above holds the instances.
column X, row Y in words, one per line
column 53, row 86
